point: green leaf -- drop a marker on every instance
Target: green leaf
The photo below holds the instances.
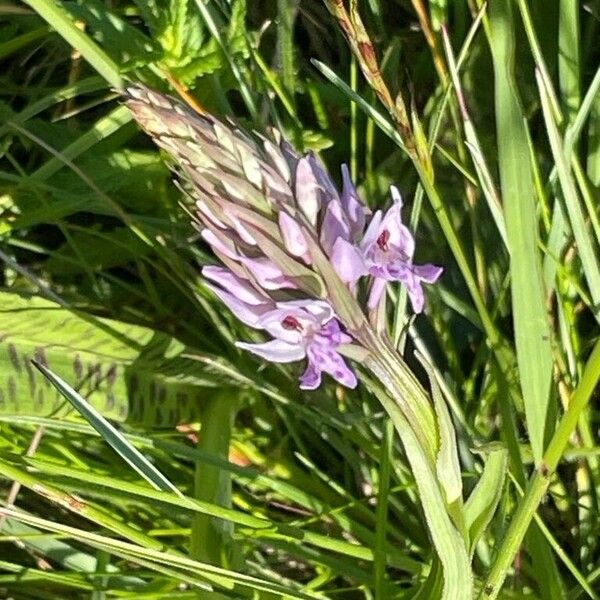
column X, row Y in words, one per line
column 127, row 372
column 532, row 331
column 448, row 542
column 481, row 504
column 109, row 434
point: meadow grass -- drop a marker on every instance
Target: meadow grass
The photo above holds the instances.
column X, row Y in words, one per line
column 147, row 457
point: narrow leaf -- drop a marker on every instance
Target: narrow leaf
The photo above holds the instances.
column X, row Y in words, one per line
column 112, row 436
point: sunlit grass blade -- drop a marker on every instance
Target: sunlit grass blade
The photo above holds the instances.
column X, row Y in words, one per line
column 569, row 56
column 110, row 434
column 244, row 88
column 58, row 18
column 103, row 128
column 488, row 187
column 157, row 558
column 538, row 486
column 587, row 250
column 532, row 331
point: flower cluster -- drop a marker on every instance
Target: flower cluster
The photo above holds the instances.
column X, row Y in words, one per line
column 272, row 216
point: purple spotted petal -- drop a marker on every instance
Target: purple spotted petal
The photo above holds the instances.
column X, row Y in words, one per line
column 326, row 359
column 311, row 378
column 289, row 324
column 331, row 335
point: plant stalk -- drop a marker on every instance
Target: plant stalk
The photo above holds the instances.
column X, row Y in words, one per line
column 210, row 539
column 541, row 478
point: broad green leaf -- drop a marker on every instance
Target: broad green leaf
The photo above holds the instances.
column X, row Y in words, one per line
column 126, row 372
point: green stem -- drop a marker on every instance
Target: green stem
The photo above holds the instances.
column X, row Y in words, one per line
column 411, row 398
column 540, row 480
column 210, row 539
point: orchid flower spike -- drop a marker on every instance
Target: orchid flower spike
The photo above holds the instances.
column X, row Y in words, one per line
column 274, row 218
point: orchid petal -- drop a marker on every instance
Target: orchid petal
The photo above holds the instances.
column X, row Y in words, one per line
column 399, row 236
column 372, row 232
column 396, row 196
column 320, row 309
column 323, row 179
column 208, row 214
column 377, row 289
column 307, row 191
column 293, row 238
column 217, row 244
column 278, row 159
column 246, row 313
column 327, row 359
column 353, row 207
column 290, row 324
column 334, row 226
column 415, row 293
column 310, row 379
column 242, row 231
column 267, row 273
column 428, row 273
column 276, row 351
column 240, row 288
column 348, row 261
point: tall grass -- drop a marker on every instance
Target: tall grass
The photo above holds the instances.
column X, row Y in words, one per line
column 214, row 476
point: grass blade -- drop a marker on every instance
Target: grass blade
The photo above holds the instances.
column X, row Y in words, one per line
column 532, row 332
column 110, row 434
column 58, row 18
column 585, row 245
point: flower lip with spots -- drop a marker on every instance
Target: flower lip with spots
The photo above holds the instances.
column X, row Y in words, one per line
column 305, row 329
column 300, row 328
